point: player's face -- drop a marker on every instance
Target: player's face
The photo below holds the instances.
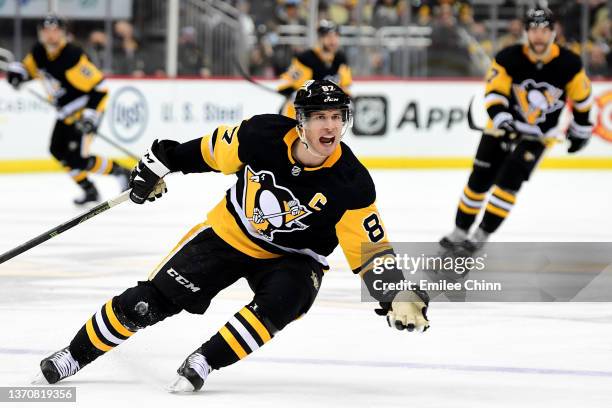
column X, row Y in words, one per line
column 51, row 36
column 330, row 42
column 323, row 131
column 539, row 38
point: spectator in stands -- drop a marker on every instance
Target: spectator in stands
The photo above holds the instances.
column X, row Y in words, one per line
column 127, row 59
column 386, row 13
column 513, row 36
column 448, row 55
column 597, row 65
column 461, row 9
column 289, row 13
column 96, row 48
column 190, row 57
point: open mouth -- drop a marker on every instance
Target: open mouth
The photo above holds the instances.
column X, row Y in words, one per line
column 327, row 140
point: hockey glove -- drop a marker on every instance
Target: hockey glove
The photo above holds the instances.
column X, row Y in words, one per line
column 578, row 137
column 89, row 122
column 511, row 134
column 16, row 74
column 407, row 311
column 146, row 178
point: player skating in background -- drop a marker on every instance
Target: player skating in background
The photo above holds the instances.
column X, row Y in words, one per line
column 325, row 61
column 527, row 87
column 299, row 193
column 76, row 88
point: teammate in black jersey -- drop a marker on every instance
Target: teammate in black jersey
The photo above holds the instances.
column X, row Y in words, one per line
column 325, row 61
column 299, row 193
column 76, row 87
column 527, row 87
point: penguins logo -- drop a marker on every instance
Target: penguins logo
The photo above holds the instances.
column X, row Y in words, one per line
column 536, row 100
column 270, row 208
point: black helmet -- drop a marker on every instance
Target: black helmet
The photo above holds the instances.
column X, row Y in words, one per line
column 320, row 95
column 539, row 17
column 326, row 27
column 52, row 20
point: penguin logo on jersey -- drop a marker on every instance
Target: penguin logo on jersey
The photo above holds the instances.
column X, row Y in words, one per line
column 536, row 100
column 269, row 207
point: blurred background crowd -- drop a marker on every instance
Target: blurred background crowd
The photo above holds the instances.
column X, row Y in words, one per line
column 397, row 38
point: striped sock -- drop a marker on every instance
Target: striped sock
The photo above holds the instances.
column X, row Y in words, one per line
column 102, row 332
column 499, row 206
column 101, row 165
column 469, row 206
column 79, row 176
column 240, row 336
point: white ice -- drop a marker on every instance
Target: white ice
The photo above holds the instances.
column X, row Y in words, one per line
column 340, row 354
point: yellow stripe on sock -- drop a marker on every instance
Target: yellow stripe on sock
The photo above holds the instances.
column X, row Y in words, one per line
column 80, row 177
column 504, row 195
column 109, row 167
column 497, row 211
column 93, row 337
column 97, row 165
column 112, row 318
column 256, row 324
column 468, row 210
column 233, row 343
column 472, row 195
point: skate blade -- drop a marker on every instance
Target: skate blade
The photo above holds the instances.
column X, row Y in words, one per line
column 39, row 379
column 180, row 384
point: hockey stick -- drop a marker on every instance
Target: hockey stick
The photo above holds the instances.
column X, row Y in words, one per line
column 249, row 78
column 65, row 226
column 6, row 57
column 100, row 135
column 546, row 140
column 474, row 126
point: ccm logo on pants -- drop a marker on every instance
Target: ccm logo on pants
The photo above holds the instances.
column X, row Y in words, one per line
column 180, row 279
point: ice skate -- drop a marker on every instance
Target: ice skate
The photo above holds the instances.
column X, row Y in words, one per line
column 56, row 367
column 452, row 241
column 90, row 196
column 191, row 374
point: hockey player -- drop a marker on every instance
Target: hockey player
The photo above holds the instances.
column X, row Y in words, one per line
column 325, row 61
column 527, row 88
column 76, row 87
column 299, row 193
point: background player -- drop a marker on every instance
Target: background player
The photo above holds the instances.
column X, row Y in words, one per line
column 527, row 88
column 76, row 87
column 300, row 192
column 325, row 61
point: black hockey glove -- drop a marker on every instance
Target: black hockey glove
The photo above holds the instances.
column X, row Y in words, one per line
column 408, row 310
column 16, row 74
column 146, row 179
column 88, row 123
column 578, row 137
column 511, row 134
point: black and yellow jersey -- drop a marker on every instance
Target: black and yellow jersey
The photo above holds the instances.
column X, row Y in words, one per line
column 277, row 207
column 534, row 92
column 311, row 65
column 71, row 80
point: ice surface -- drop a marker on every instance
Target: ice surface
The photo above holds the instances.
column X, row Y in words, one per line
column 340, row 354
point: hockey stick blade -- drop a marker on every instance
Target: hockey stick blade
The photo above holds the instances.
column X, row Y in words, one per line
column 470, row 118
column 472, row 125
column 65, row 226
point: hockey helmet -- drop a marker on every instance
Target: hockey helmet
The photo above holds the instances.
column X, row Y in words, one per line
column 539, row 17
column 316, row 95
column 326, row 27
column 52, row 20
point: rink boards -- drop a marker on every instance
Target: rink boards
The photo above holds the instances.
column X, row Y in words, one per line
column 398, row 124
